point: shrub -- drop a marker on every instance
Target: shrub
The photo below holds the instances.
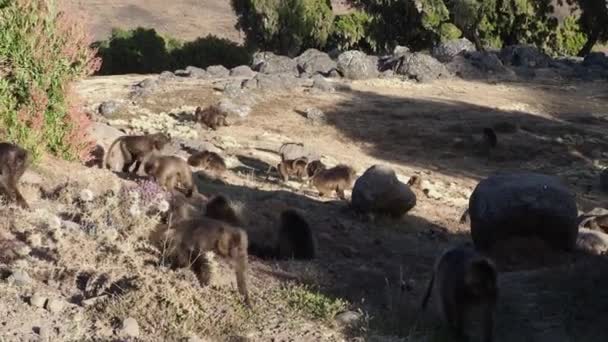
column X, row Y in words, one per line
column 210, row 50
column 449, row 31
column 42, row 51
column 569, row 38
column 350, row 32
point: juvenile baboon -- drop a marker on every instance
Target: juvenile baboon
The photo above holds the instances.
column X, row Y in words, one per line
column 168, row 171
column 296, row 167
column 219, row 208
column 489, row 137
column 294, row 240
column 137, row 148
column 464, row 279
column 191, row 239
column 211, row 117
column 13, row 162
column 313, row 167
column 209, row 161
column 338, row 178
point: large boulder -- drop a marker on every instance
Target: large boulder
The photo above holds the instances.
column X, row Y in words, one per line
column 378, row 191
column 523, row 204
column 524, row 56
column 446, row 51
column 356, row 65
column 218, row 71
column 274, row 82
column 422, row 67
column 269, row 63
column 596, row 59
column 313, row 61
column 242, row 71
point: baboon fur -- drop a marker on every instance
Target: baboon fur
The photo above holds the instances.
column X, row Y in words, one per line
column 168, row 171
column 209, row 161
column 14, row 160
column 219, row 208
column 136, row 149
column 338, row 178
column 296, row 167
column 211, row 117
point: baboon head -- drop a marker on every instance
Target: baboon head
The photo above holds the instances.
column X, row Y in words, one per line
column 160, row 140
column 313, row 167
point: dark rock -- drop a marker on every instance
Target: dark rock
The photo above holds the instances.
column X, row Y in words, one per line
column 446, row 51
column 218, row 71
column 524, row 56
column 313, row 61
column 356, row 65
column 604, row 180
column 422, row 68
column 181, row 73
column 334, row 74
column 242, row 71
column 269, row 63
column 523, row 204
column 597, row 59
column 108, row 107
column 379, row 191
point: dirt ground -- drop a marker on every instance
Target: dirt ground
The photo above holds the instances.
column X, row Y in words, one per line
column 375, row 270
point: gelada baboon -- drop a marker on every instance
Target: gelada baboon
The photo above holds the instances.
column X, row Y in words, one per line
column 296, row 167
column 295, row 240
column 313, row 167
column 190, row 239
column 168, row 171
column 137, row 148
column 338, row 178
column 211, row 117
column 209, row 161
column 489, row 137
column 13, row 162
column 219, row 208
column 463, row 279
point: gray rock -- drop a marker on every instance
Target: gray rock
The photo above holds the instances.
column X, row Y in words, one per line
column 196, row 72
column 55, row 305
column 233, row 89
column 334, row 74
column 524, row 56
column 108, row 107
column 604, row 180
column 218, row 71
column 277, row 82
column 315, row 115
column 486, row 61
column 166, row 76
column 348, row 318
column 269, row 63
column 592, row 241
column 400, row 51
column 197, row 145
column 37, row 300
column 523, row 204
column 313, row 61
column 233, row 109
column 181, row 73
column 250, row 84
column 319, row 82
column 356, row 65
column 291, row 151
column 242, row 71
column 422, row 68
column 379, row 191
column 446, row 51
column 597, row 59
column 103, row 134
column 148, row 83
column 20, row 278
column 130, row 328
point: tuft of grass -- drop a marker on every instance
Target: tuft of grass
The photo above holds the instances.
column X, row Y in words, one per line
column 312, row 303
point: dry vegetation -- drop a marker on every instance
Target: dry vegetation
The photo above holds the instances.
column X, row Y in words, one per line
column 92, row 250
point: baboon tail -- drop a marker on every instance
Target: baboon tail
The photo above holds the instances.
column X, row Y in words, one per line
column 108, row 152
column 429, row 289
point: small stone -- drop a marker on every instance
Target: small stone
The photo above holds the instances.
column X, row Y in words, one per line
column 23, row 250
column 195, row 338
column 111, row 234
column 35, row 240
column 348, row 318
column 44, row 333
column 130, row 328
column 108, row 107
column 19, row 278
column 37, row 300
column 166, row 75
column 315, row 115
column 55, row 305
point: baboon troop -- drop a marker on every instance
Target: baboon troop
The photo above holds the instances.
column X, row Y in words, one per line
column 211, row 117
column 135, row 149
column 13, row 162
column 463, row 279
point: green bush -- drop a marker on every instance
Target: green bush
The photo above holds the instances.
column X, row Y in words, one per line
column 285, row 26
column 350, row 32
column 449, row 31
column 569, row 38
column 42, row 51
column 210, row 50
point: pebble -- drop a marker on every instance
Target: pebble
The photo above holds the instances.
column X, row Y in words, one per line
column 55, row 305
column 37, row 300
column 130, row 328
column 19, row 278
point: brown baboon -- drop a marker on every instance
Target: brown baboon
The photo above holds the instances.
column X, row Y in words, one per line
column 296, row 167
column 190, row 239
column 464, row 279
column 313, row 167
column 219, row 208
column 13, row 162
column 338, row 178
column 489, row 137
column 168, row 171
column 211, row 117
column 137, row 148
column 414, row 181
column 208, row 160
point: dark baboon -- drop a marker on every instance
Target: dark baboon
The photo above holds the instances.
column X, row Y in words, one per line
column 338, row 178
column 168, row 171
column 414, row 181
column 464, row 279
column 219, row 208
column 211, row 117
column 13, row 162
column 190, row 239
column 294, row 240
column 313, row 167
column 296, row 167
column 489, row 137
column 209, row 161
column 136, row 148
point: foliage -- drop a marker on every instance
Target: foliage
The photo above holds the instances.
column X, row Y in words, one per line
column 593, row 21
column 449, row 31
column 350, row 32
column 285, row 26
column 42, row 51
column 145, row 51
column 569, row 38
column 313, row 303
